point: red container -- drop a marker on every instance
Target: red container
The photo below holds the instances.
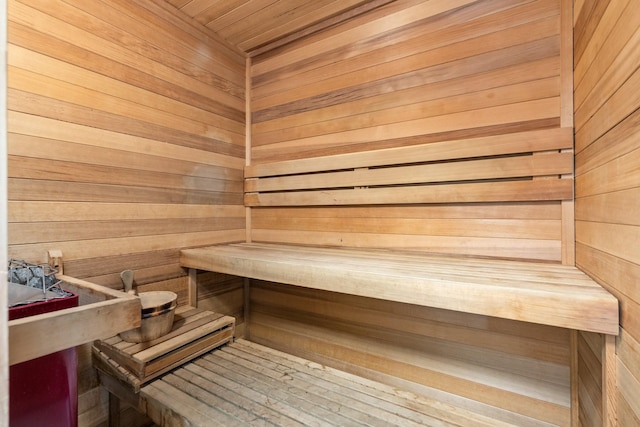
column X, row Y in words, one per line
column 43, row 391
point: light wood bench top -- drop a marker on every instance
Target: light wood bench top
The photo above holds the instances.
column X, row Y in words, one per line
column 543, row 293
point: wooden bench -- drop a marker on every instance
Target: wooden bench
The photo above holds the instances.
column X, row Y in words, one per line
column 533, row 166
column 543, row 293
column 530, row 167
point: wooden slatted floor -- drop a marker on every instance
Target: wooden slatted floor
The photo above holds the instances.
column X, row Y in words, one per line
column 244, row 383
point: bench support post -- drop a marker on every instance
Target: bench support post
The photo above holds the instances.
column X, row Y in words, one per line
column 193, row 287
column 609, row 400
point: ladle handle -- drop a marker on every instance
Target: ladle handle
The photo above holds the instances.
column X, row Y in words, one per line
column 127, row 280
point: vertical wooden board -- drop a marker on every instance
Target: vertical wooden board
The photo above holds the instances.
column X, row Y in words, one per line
column 609, row 381
column 568, row 238
column 4, row 329
column 192, row 291
column 566, row 67
column 574, row 378
column 590, row 373
column 248, row 139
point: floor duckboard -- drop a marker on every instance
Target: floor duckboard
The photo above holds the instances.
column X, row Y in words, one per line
column 244, row 383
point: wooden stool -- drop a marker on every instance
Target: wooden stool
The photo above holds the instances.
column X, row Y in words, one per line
column 124, row 367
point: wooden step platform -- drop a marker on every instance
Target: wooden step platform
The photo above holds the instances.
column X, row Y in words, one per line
column 194, row 332
column 243, row 383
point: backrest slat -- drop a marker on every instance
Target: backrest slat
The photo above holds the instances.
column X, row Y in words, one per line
column 523, row 142
column 510, row 191
column 528, row 166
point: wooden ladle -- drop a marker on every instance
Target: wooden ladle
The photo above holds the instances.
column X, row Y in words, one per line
column 127, row 280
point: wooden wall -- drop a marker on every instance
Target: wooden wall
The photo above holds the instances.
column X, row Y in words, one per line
column 418, row 72
column 126, row 143
column 607, row 121
column 509, row 370
column 415, row 72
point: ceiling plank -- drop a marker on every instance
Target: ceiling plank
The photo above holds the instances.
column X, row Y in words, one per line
column 325, row 23
column 257, row 26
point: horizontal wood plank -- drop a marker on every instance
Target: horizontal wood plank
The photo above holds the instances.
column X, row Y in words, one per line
column 528, row 249
column 449, row 193
column 544, row 140
column 102, row 313
column 523, row 166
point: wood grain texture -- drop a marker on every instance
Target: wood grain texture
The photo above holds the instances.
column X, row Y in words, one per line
column 606, row 114
column 126, row 141
column 243, row 384
column 533, row 292
column 437, row 353
column 426, row 75
column 255, row 27
column 500, row 170
column 154, row 127
column 425, row 87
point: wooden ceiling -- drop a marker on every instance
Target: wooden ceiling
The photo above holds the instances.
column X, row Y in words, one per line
column 256, row 26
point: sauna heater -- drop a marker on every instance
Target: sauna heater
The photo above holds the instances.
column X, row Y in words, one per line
column 42, row 391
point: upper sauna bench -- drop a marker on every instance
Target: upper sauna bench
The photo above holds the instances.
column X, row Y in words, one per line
column 533, row 167
column 544, row 293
